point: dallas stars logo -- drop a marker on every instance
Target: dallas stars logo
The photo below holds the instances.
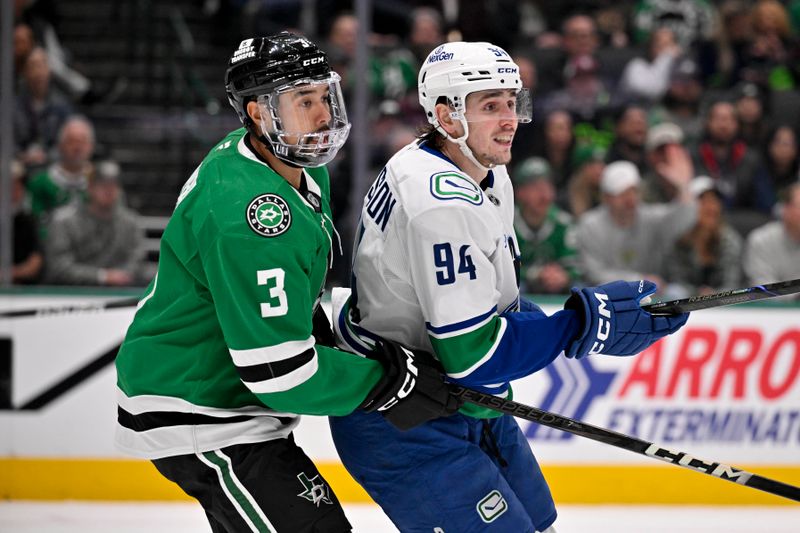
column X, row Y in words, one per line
column 316, row 491
column 269, row 215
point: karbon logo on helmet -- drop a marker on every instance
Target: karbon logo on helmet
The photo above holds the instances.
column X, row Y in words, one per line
column 269, row 215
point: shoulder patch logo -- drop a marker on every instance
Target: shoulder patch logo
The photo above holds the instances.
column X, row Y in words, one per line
column 269, row 215
column 454, row 186
column 491, row 506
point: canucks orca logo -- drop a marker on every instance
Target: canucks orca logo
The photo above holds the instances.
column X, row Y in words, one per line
column 454, row 186
column 269, row 215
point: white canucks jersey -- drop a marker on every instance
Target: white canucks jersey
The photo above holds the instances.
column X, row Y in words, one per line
column 436, row 268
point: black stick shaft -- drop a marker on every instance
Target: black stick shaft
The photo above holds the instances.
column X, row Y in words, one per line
column 626, row 442
column 66, row 310
column 735, row 296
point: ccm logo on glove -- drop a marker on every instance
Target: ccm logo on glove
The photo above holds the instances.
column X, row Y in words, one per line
column 408, row 382
column 412, row 389
column 612, row 321
column 603, row 323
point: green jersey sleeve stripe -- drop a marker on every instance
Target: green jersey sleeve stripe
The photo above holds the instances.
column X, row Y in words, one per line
column 287, row 381
column 265, row 371
column 271, row 354
column 473, row 349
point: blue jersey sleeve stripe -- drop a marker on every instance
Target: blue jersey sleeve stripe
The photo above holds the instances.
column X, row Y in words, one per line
column 449, row 330
column 527, row 343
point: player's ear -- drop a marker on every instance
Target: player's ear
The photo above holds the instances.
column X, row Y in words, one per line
column 445, row 119
column 254, row 111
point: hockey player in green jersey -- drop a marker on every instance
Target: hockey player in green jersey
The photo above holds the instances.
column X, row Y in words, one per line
column 227, row 346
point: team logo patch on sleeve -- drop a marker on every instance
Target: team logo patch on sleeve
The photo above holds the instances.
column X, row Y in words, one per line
column 454, row 186
column 269, row 215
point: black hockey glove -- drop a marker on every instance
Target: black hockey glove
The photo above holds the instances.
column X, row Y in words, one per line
column 412, row 391
column 321, row 328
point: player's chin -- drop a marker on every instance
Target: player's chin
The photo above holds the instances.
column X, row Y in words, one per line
column 500, row 157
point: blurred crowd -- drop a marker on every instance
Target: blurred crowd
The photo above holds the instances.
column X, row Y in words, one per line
column 664, row 143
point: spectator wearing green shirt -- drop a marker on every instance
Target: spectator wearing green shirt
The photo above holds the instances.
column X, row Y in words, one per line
column 67, row 177
column 544, row 232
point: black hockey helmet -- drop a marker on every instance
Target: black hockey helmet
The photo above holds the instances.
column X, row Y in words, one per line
column 262, row 64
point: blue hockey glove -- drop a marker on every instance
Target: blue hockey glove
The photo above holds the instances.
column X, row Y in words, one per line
column 614, row 322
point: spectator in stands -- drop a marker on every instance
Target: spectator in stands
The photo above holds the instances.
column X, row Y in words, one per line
column 544, row 232
column 691, row 20
column 726, row 158
column 750, row 103
column 630, row 130
column 427, row 32
column 780, row 164
column 556, row 146
column 579, row 39
column 97, row 241
column 707, row 258
column 27, row 260
column 67, row 177
column 772, row 57
column 24, row 44
column 625, row 239
column 772, row 252
column 40, row 111
column 496, row 22
column 583, row 190
column 681, row 104
column 666, row 155
column 648, row 79
column 42, row 17
column 585, row 93
column 527, row 71
column 342, row 37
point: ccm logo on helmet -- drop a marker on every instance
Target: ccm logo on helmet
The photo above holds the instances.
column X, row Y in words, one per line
column 507, row 70
column 313, row 61
column 603, row 323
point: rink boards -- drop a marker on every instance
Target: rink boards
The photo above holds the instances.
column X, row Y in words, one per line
column 726, row 388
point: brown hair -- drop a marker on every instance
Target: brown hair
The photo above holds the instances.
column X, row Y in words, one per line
column 771, row 12
column 429, row 134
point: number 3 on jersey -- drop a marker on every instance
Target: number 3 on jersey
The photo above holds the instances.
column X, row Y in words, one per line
column 443, row 259
column 273, row 279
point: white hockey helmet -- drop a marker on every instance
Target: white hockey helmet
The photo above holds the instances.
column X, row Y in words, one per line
column 454, row 70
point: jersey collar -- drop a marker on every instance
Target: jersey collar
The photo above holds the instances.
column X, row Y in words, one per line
column 486, row 183
column 309, row 190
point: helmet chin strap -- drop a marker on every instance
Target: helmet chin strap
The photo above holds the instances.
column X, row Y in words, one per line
column 461, row 142
column 263, row 139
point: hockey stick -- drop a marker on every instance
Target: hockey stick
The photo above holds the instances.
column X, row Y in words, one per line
column 71, row 309
column 735, row 296
column 626, row 442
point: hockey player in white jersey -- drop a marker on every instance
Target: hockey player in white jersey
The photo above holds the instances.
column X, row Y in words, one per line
column 436, row 269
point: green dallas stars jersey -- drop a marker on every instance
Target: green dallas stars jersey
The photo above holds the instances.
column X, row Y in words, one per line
column 220, row 351
column 553, row 242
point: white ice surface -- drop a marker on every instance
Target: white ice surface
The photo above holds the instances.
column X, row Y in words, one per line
column 83, row 517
